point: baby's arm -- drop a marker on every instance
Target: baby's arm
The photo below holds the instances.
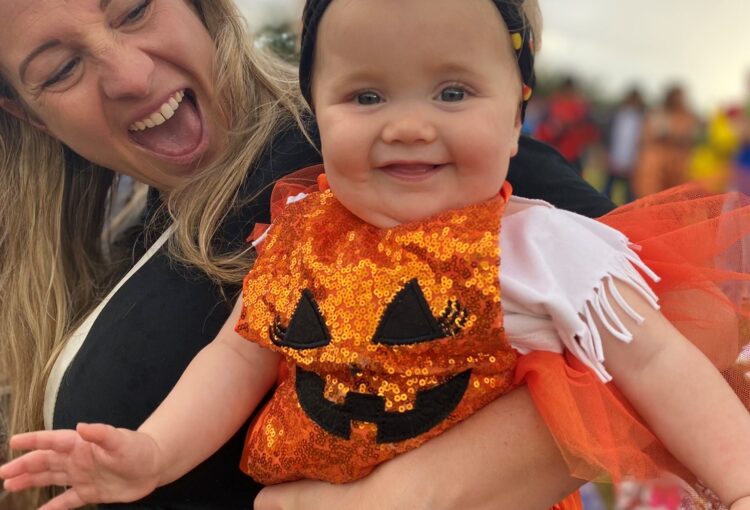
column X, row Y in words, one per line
column 215, row 395
column 684, row 399
column 218, row 391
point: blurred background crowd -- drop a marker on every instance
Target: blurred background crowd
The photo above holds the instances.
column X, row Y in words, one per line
column 632, row 147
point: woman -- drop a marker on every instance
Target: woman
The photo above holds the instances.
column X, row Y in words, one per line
column 669, row 136
column 171, row 93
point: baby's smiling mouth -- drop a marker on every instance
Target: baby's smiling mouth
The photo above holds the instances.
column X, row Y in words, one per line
column 410, row 171
column 174, row 130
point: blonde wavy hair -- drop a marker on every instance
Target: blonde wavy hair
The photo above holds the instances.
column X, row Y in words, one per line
column 53, row 268
column 259, row 97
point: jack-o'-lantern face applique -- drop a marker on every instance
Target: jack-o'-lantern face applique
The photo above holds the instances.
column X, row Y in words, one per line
column 390, row 335
column 407, row 321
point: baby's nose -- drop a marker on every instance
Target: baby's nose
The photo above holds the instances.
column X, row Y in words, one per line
column 409, row 130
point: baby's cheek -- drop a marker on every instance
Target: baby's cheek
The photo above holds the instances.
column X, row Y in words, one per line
column 341, row 145
column 480, row 153
column 489, row 145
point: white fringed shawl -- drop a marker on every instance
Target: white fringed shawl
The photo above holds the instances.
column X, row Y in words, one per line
column 557, row 272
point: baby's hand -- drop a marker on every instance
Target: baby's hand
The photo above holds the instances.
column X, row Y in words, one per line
column 98, row 463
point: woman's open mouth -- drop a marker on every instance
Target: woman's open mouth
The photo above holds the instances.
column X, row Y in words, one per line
column 174, row 131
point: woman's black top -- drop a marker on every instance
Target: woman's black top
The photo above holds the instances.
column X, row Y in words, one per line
column 164, row 314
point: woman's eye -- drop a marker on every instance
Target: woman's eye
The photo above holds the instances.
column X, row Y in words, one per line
column 453, row 94
column 136, row 13
column 368, row 98
column 63, row 73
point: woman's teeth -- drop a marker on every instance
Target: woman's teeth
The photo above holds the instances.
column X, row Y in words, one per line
column 159, row 117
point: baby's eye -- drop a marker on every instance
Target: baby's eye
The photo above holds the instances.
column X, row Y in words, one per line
column 368, row 98
column 453, row 94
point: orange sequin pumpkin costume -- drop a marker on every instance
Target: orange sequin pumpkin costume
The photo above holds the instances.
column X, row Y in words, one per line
column 391, row 336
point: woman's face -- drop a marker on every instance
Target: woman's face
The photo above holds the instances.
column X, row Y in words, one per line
column 127, row 84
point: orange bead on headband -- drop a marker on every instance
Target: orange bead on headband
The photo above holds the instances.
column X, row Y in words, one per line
column 522, row 38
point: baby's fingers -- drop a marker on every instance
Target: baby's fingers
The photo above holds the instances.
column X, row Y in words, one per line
column 65, row 501
column 44, row 479
column 37, row 461
column 58, row 440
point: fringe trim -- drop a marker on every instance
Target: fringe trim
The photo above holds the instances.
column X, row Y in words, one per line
column 586, row 344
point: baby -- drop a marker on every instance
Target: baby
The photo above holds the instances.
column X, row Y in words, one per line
column 403, row 297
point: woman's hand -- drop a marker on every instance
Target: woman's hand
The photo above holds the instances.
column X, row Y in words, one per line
column 741, row 504
column 308, row 494
column 501, row 458
column 98, row 463
column 368, row 493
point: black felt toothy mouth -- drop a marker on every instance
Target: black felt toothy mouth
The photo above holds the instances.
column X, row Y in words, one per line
column 430, row 408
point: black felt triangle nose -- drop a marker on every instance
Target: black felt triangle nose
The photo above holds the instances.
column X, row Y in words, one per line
column 408, row 319
column 307, row 328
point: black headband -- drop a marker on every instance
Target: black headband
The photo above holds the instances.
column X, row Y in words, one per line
column 521, row 34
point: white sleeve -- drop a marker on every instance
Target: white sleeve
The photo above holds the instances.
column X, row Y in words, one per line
column 555, row 268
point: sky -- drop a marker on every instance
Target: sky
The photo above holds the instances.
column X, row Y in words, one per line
column 704, row 44
column 613, row 44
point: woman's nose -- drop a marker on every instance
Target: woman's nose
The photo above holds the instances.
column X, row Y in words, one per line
column 127, row 71
column 409, row 129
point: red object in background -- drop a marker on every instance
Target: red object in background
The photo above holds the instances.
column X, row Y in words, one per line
column 734, row 112
column 657, row 495
column 567, row 126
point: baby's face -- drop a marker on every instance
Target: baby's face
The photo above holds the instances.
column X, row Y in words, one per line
column 417, row 103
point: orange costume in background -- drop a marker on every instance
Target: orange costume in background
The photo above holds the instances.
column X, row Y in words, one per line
column 666, row 148
column 391, row 336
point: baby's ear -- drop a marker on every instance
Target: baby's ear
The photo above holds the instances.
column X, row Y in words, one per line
column 16, row 109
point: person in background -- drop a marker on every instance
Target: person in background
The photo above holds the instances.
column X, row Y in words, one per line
column 567, row 124
column 173, row 94
column 624, row 143
column 669, row 136
column 712, row 159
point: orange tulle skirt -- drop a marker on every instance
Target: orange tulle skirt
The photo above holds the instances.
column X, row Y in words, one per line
column 572, row 502
column 697, row 243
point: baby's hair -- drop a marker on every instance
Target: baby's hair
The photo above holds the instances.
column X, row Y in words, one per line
column 527, row 10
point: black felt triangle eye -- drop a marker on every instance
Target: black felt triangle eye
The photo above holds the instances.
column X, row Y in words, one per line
column 307, row 328
column 408, row 319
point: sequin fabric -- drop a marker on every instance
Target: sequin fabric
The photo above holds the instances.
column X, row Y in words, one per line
column 354, row 271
